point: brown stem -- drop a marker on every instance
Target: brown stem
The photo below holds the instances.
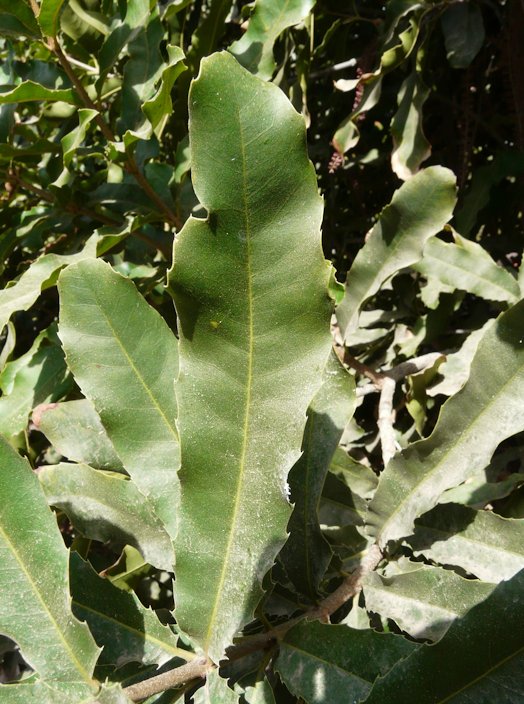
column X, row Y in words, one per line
column 196, row 669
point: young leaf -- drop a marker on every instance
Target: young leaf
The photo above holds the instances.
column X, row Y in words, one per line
column 336, row 664
column 482, row 543
column 466, row 266
column 74, row 429
column 470, row 426
column 269, row 19
column 418, row 210
column 478, row 660
column 410, row 146
column 425, row 601
column 124, row 358
column 107, row 507
column 306, row 554
column 35, row 608
column 126, row 630
column 252, row 351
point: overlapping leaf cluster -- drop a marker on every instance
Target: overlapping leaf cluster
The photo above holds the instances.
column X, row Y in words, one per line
column 226, row 475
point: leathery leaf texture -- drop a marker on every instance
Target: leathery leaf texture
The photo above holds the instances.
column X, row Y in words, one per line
column 250, row 285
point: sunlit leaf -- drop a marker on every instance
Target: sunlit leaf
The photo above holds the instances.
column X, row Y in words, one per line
column 482, row 543
column 410, row 146
column 252, row 352
column 107, row 507
column 336, row 664
column 471, row 425
column 479, row 660
column 124, row 358
column 418, row 210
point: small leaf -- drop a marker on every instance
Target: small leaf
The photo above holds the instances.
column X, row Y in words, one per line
column 159, row 107
column 215, row 691
column 29, row 91
column 124, row 358
column 107, row 507
column 465, row 265
column 35, row 608
column 470, row 426
column 306, row 554
column 259, row 693
column 336, row 664
column 464, row 33
column 74, row 428
column 410, row 146
column 425, row 601
column 125, row 630
column 259, row 343
column 268, row 20
column 49, row 15
column 482, row 543
column 478, row 660
column 418, row 210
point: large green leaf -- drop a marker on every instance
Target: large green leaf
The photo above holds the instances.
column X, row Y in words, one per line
column 488, row 546
column 37, row 277
column 107, row 507
column 17, row 19
column 326, row 664
column 425, row 601
column 251, row 290
column 479, row 660
column 470, row 426
column 269, row 19
column 126, row 630
column 35, row 609
column 467, row 266
column 418, row 210
column 306, row 554
column 124, row 358
column 74, row 429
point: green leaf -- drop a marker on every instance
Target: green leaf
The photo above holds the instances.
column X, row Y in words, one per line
column 124, row 358
column 360, row 479
column 470, row 426
column 29, row 91
column 336, row 664
column 35, row 608
column 268, row 20
column 126, row 630
column 137, row 13
column 107, row 507
column 49, row 15
column 479, row 660
column 306, row 554
column 425, row 601
column 38, row 376
column 410, row 146
column 418, row 210
column 76, row 137
column 477, row 492
column 215, row 691
column 74, row 428
column 252, row 352
column 16, row 19
column 464, row 35
column 40, row 275
column 159, row 108
column 259, row 693
column 465, row 265
column 482, row 543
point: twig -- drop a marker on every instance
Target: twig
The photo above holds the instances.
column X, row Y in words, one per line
column 414, row 366
column 194, row 670
column 385, row 420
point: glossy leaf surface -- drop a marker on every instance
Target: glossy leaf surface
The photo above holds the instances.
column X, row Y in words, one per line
column 470, row 426
column 124, row 358
column 251, row 290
